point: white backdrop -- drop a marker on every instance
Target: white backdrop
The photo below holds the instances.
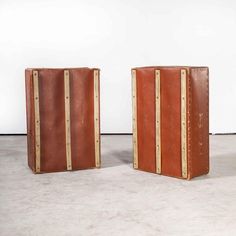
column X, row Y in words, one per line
column 116, row 35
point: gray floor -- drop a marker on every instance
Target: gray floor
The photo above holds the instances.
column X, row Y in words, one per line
column 116, row 200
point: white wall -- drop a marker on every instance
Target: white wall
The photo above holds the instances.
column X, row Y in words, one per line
column 116, row 35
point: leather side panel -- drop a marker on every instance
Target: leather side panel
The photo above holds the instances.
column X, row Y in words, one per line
column 199, row 136
column 146, row 119
column 30, row 119
column 52, row 120
column 82, row 118
column 170, row 122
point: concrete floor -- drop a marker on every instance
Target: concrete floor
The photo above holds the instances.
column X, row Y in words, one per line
column 116, row 200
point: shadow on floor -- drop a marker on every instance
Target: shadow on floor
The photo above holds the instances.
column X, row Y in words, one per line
column 117, row 158
column 221, row 166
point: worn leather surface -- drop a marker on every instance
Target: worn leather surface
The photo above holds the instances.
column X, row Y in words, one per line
column 170, row 122
column 197, row 120
column 146, row 119
column 52, row 119
column 82, row 118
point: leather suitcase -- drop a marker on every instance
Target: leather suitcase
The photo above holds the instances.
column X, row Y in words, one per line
column 63, row 125
column 170, row 120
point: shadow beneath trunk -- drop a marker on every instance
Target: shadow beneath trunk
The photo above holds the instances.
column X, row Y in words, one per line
column 117, row 158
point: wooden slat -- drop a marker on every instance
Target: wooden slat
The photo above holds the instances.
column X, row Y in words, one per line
column 37, row 121
column 67, row 118
column 158, row 121
column 184, row 122
column 96, row 119
column 135, row 131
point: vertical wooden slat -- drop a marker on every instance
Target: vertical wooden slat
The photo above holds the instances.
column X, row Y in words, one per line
column 96, row 119
column 37, row 121
column 67, row 119
column 135, row 131
column 158, row 121
column 184, row 123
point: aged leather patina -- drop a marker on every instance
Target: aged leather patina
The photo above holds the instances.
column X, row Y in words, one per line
column 171, row 121
column 62, row 119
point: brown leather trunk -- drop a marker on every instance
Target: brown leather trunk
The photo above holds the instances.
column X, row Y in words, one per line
column 171, row 121
column 63, row 124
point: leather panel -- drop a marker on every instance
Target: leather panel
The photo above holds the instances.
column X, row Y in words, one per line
column 146, row 120
column 52, row 120
column 199, row 122
column 197, row 118
column 82, row 118
column 170, row 122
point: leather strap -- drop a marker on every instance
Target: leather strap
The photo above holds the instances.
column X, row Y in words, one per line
column 135, row 128
column 184, row 122
column 67, row 118
column 37, row 121
column 158, row 120
column 96, row 119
